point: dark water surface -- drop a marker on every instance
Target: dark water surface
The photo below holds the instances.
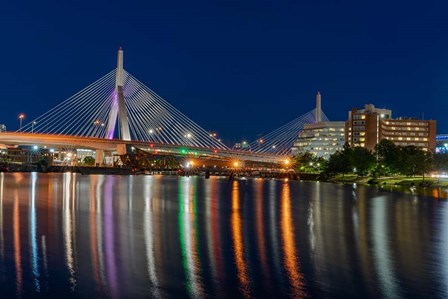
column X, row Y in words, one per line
column 67, row 235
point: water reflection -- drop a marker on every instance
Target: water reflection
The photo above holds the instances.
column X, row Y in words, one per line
column 260, row 230
column 188, row 236
column 33, row 233
column 238, row 246
column 213, row 233
column 290, row 254
column 273, row 228
column 68, row 228
column 94, row 214
column 2, row 240
column 149, row 238
column 17, row 240
column 134, row 237
column 109, row 234
column 381, row 250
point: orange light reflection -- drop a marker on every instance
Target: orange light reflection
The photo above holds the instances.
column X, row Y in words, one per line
column 238, row 242
column 289, row 247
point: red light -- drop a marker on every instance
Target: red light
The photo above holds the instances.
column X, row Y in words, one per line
column 215, row 151
column 151, row 145
column 156, row 152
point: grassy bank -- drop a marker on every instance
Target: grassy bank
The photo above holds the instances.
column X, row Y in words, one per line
column 417, row 181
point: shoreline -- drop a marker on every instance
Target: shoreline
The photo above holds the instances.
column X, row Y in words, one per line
column 429, row 186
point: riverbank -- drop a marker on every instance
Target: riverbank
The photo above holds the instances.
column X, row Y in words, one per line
column 428, row 186
column 417, row 181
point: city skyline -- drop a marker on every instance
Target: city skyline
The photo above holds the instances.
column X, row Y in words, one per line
column 210, row 61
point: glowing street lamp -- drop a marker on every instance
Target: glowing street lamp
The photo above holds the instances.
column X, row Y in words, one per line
column 21, row 117
column 259, row 141
column 32, row 126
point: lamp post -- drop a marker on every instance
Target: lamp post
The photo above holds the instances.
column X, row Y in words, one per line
column 32, row 126
column 21, row 117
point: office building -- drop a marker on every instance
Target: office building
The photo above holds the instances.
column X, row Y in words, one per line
column 367, row 127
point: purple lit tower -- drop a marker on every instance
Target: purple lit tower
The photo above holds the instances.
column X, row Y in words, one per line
column 118, row 105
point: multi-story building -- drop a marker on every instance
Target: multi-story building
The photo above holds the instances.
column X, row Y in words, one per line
column 322, row 139
column 366, row 127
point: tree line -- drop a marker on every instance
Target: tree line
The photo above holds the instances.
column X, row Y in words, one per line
column 387, row 159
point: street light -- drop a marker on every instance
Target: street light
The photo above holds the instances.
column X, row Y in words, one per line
column 21, row 117
column 32, row 126
column 260, row 141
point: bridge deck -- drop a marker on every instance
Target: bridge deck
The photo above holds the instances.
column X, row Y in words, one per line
column 50, row 140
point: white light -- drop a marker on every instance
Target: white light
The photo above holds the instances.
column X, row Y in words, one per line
column 35, row 147
column 151, row 131
column 51, row 150
column 189, row 135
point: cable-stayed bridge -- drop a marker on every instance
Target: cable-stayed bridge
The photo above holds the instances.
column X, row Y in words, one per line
column 118, row 113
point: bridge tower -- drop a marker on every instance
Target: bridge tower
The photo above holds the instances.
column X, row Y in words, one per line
column 118, row 106
column 318, row 108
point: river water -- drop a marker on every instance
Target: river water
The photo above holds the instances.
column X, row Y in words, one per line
column 74, row 236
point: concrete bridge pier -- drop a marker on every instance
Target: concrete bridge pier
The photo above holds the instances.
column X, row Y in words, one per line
column 60, row 153
column 99, row 157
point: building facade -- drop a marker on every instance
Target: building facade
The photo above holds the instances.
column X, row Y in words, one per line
column 367, row 127
column 321, row 139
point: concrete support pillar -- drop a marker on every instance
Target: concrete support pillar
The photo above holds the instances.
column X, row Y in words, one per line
column 318, row 108
column 99, row 157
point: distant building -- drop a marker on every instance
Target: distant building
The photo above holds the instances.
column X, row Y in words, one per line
column 321, row 139
column 367, row 127
column 2, row 128
column 442, row 143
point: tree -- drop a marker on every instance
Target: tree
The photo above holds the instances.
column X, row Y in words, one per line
column 89, row 160
column 309, row 163
column 339, row 162
column 415, row 161
column 362, row 160
column 441, row 161
column 388, row 157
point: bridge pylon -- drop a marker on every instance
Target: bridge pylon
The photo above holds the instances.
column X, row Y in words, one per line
column 118, row 109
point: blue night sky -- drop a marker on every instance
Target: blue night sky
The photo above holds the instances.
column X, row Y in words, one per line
column 240, row 68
